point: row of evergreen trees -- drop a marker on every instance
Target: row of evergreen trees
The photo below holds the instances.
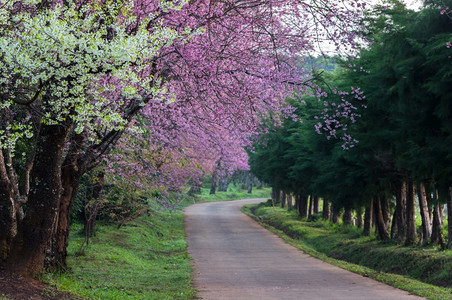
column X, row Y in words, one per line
column 396, row 130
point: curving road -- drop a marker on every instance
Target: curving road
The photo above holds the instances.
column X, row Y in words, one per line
column 235, row 258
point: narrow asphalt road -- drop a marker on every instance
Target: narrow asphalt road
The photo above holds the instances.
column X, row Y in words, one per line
column 235, row 258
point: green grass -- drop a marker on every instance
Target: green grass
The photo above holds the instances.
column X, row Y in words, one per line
column 424, row 271
column 146, row 259
column 233, row 193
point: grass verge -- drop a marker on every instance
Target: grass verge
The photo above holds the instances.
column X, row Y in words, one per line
column 147, row 259
column 233, row 193
column 424, row 271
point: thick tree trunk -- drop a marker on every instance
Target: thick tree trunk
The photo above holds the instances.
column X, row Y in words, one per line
column 72, row 170
column 411, row 214
column 32, row 241
column 425, row 215
column 368, row 216
column 326, row 214
column 380, row 223
column 303, row 206
column 398, row 230
column 316, row 205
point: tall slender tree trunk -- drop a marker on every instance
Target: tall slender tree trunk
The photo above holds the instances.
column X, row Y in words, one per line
column 316, row 204
column 278, row 195
column 326, row 214
column 336, row 214
column 283, row 200
column 449, row 219
column 386, row 210
column 359, row 217
column 411, row 214
column 310, row 206
column 289, row 201
column 34, row 235
column 425, row 215
column 273, row 195
column 368, row 216
column 380, row 223
column 437, row 237
column 398, row 230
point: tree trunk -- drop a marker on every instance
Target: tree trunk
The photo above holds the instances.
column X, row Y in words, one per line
column 411, row 214
column 368, row 215
column 8, row 221
column 213, row 186
column 223, row 183
column 425, row 215
column 32, row 241
column 347, row 217
column 379, row 220
column 297, row 201
column 386, row 210
column 260, row 185
column 336, row 214
column 398, row 230
column 250, row 188
column 57, row 254
column 310, row 206
column 316, row 205
column 276, row 195
column 303, row 206
column 437, row 237
column 283, row 200
column 326, row 214
column 289, row 201
column 449, row 219
column 359, row 217
column 195, row 188
column 93, row 205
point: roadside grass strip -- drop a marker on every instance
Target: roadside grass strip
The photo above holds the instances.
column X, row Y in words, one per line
column 147, row 259
column 423, row 271
column 233, row 193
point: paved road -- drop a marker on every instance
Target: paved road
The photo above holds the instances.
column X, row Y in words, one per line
column 235, row 258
